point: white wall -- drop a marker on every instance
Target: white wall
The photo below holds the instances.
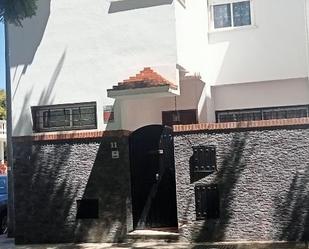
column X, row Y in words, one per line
column 192, row 40
column 73, row 50
column 274, row 48
column 266, row 54
column 261, row 94
column 146, row 111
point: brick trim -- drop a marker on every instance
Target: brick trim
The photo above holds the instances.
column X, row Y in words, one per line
column 71, row 135
column 274, row 123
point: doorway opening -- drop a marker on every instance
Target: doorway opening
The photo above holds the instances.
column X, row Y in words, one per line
column 153, row 178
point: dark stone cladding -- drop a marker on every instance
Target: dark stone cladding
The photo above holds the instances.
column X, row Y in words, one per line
column 263, row 180
column 51, row 175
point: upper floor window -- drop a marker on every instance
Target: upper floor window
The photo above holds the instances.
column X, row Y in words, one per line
column 64, row 117
column 230, row 13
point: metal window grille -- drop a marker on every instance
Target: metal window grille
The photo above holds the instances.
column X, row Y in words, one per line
column 64, row 117
column 263, row 114
column 207, row 202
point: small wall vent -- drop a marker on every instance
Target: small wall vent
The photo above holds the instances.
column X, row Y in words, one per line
column 87, row 209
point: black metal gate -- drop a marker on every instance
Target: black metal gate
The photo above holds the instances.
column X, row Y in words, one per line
column 153, row 177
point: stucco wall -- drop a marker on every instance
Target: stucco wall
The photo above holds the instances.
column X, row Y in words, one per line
column 50, row 176
column 140, row 112
column 272, row 55
column 261, row 94
column 263, row 181
column 273, row 48
column 72, row 51
column 68, row 55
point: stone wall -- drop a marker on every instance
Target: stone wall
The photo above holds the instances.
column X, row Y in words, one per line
column 263, row 180
column 262, row 176
column 51, row 175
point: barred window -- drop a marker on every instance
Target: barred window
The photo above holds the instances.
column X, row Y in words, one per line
column 64, row 117
column 263, row 114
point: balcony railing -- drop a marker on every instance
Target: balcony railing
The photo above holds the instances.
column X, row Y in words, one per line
column 2, row 127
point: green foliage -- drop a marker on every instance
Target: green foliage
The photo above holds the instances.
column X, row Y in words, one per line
column 2, row 104
column 14, row 11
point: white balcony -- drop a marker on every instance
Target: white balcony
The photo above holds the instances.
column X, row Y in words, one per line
column 3, row 130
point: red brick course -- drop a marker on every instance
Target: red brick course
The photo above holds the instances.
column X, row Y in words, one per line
column 75, row 135
column 242, row 125
column 71, row 135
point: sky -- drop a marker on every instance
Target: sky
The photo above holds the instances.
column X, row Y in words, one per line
column 2, row 57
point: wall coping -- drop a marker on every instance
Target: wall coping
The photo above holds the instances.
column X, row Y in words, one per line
column 70, row 135
column 228, row 126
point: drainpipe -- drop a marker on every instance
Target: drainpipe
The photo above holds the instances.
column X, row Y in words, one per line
column 11, row 210
column 306, row 5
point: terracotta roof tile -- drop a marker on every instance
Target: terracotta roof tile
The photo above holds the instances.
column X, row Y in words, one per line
column 145, row 78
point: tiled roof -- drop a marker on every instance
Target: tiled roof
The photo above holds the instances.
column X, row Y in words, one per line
column 145, row 78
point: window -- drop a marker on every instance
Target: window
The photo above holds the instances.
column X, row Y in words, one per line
column 64, row 117
column 230, row 13
column 171, row 118
column 263, row 114
column 207, row 202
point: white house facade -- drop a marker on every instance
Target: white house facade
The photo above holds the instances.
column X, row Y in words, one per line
column 256, row 59
column 86, row 75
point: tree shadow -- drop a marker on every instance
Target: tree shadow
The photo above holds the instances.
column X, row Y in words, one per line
column 24, row 41
column 20, row 126
column 51, row 176
column 109, row 182
column 293, row 208
column 125, row 5
column 41, row 184
column 229, row 171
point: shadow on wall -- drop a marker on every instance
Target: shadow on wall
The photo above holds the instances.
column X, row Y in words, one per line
column 125, row 5
column 231, row 169
column 62, row 172
column 294, row 208
column 45, row 97
column 108, row 182
column 25, row 40
column 46, row 186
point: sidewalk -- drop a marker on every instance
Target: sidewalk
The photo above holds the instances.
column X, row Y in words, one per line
column 154, row 245
column 9, row 244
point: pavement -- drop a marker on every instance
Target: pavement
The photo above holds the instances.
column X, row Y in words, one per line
column 6, row 243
